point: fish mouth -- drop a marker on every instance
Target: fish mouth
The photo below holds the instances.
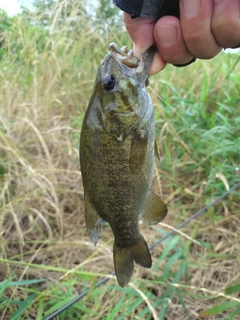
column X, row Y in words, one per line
column 126, row 57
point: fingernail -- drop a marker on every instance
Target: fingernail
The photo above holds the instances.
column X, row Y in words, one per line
column 191, row 7
column 167, row 35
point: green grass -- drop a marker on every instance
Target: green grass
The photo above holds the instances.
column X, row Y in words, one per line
column 46, row 256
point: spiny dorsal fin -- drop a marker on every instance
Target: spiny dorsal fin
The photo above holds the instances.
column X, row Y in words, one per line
column 154, row 211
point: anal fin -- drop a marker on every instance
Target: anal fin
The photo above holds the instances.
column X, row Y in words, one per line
column 154, row 211
column 93, row 220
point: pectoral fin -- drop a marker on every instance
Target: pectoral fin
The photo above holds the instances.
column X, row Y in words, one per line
column 93, row 220
column 138, row 151
column 154, row 211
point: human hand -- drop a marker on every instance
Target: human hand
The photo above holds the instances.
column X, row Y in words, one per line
column 205, row 27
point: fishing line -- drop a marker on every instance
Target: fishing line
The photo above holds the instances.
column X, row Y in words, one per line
column 104, row 280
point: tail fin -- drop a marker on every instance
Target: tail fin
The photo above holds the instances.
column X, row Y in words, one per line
column 124, row 258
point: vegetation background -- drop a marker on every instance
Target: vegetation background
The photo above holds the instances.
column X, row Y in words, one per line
column 48, row 61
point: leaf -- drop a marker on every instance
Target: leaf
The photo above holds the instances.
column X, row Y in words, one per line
column 4, row 285
column 170, row 263
column 171, row 245
column 177, row 276
column 181, row 300
column 4, row 27
column 232, row 289
column 23, row 306
column 1, row 171
column 219, row 308
column 112, row 314
column 221, row 256
column 20, row 283
column 58, row 305
column 205, row 88
column 233, row 314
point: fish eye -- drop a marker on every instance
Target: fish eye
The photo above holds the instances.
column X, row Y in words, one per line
column 109, row 82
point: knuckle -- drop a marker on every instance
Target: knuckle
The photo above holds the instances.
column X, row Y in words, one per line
column 204, row 50
column 178, row 58
column 191, row 37
column 227, row 37
column 226, row 30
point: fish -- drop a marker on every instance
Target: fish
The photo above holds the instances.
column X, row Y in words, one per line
column 117, row 149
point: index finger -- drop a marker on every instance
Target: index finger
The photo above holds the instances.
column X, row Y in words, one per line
column 140, row 31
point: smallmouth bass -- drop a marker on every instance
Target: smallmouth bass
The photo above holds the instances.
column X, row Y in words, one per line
column 117, row 147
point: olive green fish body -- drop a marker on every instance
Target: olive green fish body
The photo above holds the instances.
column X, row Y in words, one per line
column 117, row 159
